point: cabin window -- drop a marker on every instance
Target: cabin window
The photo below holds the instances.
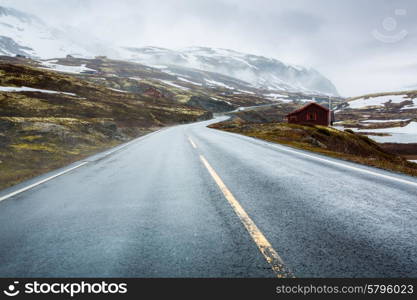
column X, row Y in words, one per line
column 293, row 118
column 311, row 116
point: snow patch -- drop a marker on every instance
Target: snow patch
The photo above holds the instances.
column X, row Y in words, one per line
column 220, row 100
column 37, row 38
column 216, row 83
column 66, row 69
column 175, row 85
column 246, row 92
column 116, row 90
column 411, row 128
column 412, row 106
column 275, row 96
column 385, row 121
column 401, row 135
column 189, row 81
column 376, row 101
column 255, row 71
column 28, row 89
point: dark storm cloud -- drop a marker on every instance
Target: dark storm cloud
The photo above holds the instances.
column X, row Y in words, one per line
column 362, row 46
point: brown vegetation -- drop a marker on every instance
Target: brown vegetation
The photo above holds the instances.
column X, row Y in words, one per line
column 323, row 140
column 43, row 131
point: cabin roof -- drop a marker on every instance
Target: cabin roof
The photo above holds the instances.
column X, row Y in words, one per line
column 307, row 106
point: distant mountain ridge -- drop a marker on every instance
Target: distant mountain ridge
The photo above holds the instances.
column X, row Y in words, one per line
column 261, row 72
column 27, row 35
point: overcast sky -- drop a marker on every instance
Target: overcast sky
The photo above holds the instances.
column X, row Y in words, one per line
column 362, row 46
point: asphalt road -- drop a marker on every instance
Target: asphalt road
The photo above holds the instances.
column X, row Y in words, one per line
column 154, row 209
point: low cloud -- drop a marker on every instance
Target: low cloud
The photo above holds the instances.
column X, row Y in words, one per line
column 336, row 37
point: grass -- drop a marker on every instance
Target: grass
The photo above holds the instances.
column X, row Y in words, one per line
column 323, row 140
column 31, row 138
column 411, row 93
column 40, row 132
column 34, row 147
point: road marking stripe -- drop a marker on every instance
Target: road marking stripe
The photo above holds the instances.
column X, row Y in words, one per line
column 260, row 240
column 40, row 182
column 336, row 163
column 192, row 143
column 117, row 148
column 122, row 146
column 352, row 167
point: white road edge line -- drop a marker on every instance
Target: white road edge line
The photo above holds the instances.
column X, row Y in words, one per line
column 270, row 255
column 279, row 147
column 120, row 147
column 192, row 143
column 352, row 167
column 124, row 146
column 40, row 182
column 75, row 167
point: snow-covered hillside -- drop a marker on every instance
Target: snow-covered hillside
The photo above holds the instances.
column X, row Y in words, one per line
column 27, row 35
column 259, row 71
column 384, row 117
column 382, row 100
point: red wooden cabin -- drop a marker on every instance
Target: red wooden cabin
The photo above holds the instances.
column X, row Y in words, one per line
column 310, row 114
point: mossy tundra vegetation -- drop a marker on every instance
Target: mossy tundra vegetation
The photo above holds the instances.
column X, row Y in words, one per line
column 320, row 139
column 137, row 78
column 118, row 101
column 108, row 103
column 42, row 131
column 111, row 103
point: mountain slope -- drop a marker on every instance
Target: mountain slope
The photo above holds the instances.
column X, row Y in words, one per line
column 189, row 88
column 225, row 78
column 49, row 119
column 260, row 72
column 324, row 140
column 28, row 35
column 379, row 110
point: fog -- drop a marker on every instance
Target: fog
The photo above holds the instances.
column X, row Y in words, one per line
column 362, row 46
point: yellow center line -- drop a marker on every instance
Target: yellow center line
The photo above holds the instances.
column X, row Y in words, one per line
column 260, row 240
column 192, row 143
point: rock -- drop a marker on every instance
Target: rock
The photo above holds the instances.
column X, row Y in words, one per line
column 210, row 104
column 314, row 142
column 6, row 125
column 4, row 140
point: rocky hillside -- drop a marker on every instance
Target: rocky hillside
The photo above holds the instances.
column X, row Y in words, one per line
column 190, row 87
column 260, row 72
column 209, row 68
column 25, row 34
column 148, row 81
column 324, row 140
column 379, row 110
column 274, row 113
column 388, row 118
column 48, row 119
